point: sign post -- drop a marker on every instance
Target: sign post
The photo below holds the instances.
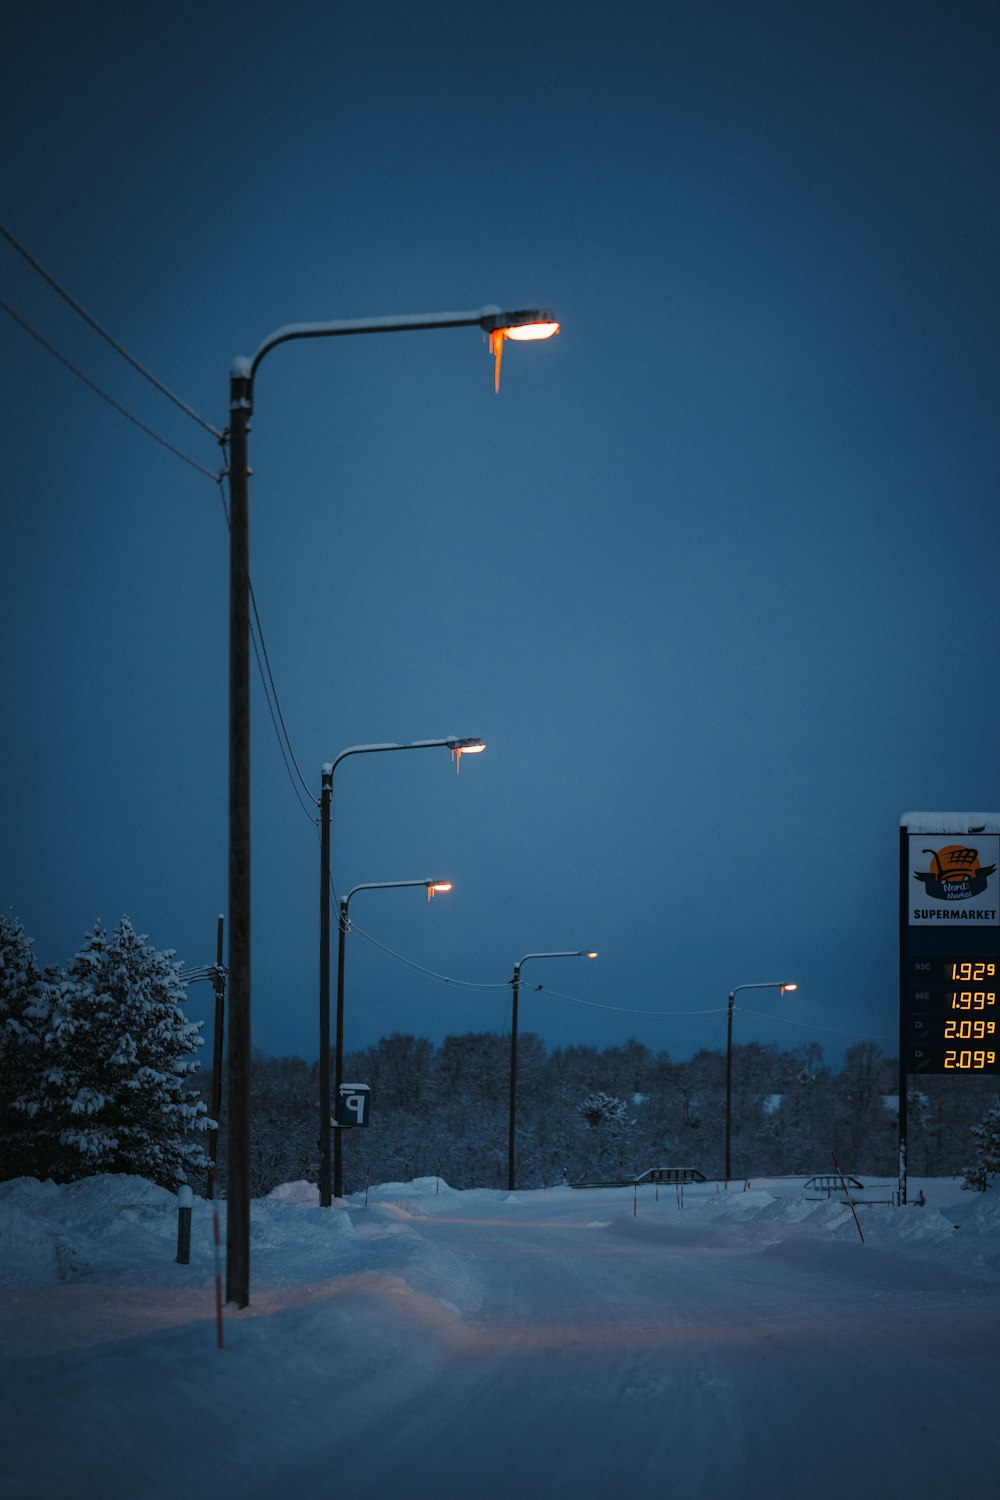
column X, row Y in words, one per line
column 949, row 946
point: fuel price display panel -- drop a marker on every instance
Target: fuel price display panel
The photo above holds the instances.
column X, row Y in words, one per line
column 950, row 943
column 953, row 1014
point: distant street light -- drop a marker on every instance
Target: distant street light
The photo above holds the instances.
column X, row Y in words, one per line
column 431, row 887
column 512, row 1108
column 458, row 748
column 498, row 325
column 772, row 985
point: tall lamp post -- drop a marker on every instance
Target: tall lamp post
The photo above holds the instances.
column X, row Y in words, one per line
column 458, row 748
column 524, row 324
column 774, row 984
column 512, row 1104
column 431, row 887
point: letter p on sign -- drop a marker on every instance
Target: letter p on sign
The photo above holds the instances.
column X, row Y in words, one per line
column 352, row 1108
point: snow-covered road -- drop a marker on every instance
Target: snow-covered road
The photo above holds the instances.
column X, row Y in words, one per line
column 640, row 1355
column 485, row 1345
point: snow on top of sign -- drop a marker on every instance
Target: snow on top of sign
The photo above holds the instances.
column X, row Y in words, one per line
column 951, row 822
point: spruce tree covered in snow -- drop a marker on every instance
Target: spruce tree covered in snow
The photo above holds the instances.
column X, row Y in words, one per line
column 609, row 1124
column 25, row 1004
column 987, row 1138
column 604, row 1109
column 118, row 1051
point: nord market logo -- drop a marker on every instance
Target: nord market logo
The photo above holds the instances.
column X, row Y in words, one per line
column 955, row 873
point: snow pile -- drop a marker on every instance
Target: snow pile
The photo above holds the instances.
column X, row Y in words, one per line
column 50, row 1234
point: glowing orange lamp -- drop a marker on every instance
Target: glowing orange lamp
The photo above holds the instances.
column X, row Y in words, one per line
column 520, row 333
column 465, row 747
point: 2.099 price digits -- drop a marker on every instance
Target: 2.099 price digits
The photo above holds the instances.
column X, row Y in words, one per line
column 968, row 1060
column 969, row 1031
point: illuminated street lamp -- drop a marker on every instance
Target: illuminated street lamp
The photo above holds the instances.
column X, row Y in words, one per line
column 512, row 1107
column 432, row 887
column 775, row 984
column 492, row 321
column 458, row 748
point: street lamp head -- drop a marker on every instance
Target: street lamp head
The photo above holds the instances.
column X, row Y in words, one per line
column 590, row 955
column 786, row 987
column 464, row 747
column 525, row 326
column 437, row 885
column 518, row 324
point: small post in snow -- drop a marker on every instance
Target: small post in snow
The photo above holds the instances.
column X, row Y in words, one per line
column 185, row 1200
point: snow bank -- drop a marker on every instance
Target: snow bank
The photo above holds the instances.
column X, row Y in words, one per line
column 396, row 1344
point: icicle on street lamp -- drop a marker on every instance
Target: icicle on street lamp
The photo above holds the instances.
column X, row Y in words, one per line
column 458, row 747
column 775, row 984
column 432, row 887
column 512, row 1104
column 492, row 321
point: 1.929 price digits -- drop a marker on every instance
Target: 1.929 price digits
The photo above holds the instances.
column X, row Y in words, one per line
column 970, row 970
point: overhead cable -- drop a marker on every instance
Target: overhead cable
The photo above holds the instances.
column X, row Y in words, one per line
column 102, row 393
column 266, row 676
column 277, row 704
column 260, row 652
column 880, row 1036
column 103, row 333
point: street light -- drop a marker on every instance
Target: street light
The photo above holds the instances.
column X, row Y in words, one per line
column 512, row 1108
column 493, row 322
column 458, row 748
column 431, row 887
column 774, row 984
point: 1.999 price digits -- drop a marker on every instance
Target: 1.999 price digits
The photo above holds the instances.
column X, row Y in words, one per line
column 972, row 999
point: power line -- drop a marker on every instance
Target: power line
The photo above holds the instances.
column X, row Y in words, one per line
column 627, row 1010
column 277, row 704
column 880, row 1036
column 260, row 652
column 90, row 384
column 409, row 963
column 281, row 744
column 267, row 677
column 256, row 634
column 469, row 984
column 624, row 1010
column 93, row 323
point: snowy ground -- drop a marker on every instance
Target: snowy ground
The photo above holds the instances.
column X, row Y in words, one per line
column 480, row 1344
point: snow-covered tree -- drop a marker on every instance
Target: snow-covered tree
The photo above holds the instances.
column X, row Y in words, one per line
column 25, row 1002
column 987, row 1138
column 600, row 1109
column 118, row 1051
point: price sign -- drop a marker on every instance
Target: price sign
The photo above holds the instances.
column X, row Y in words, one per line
column 950, row 944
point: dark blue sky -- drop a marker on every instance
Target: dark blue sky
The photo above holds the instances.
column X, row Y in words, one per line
column 714, row 575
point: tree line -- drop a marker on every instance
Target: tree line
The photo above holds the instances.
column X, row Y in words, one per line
column 599, row 1114
column 99, row 1073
